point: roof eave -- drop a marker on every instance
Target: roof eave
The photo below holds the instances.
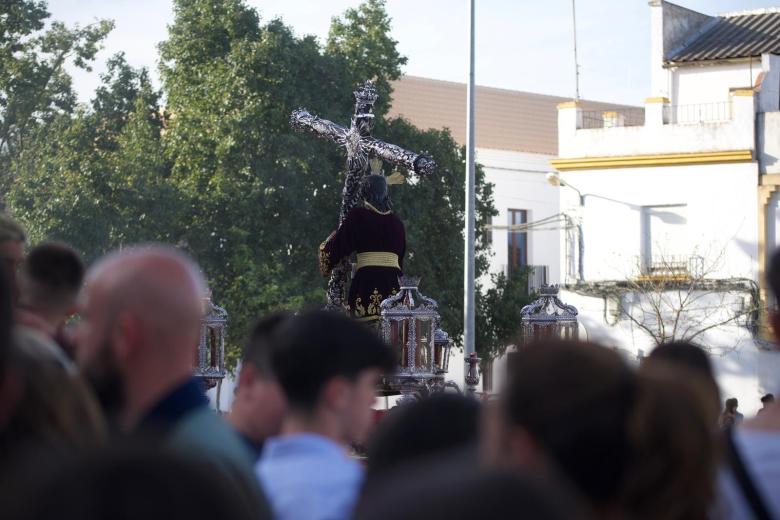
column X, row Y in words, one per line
column 711, row 61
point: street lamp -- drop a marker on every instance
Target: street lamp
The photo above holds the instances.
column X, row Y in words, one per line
column 554, row 179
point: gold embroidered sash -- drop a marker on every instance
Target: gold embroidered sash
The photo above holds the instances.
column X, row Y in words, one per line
column 377, row 259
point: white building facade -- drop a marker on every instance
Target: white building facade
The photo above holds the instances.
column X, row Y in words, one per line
column 516, row 137
column 522, row 195
column 679, row 205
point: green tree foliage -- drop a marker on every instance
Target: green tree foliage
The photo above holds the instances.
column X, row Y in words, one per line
column 498, row 314
column 258, row 203
column 97, row 178
column 34, row 86
column 361, row 40
column 218, row 170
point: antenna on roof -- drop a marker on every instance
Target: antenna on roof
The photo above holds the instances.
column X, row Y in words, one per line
column 576, row 62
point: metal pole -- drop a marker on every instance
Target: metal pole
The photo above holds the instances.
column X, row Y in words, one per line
column 468, row 271
column 576, row 62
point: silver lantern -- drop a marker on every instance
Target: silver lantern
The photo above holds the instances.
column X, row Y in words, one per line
column 210, row 357
column 409, row 324
column 548, row 317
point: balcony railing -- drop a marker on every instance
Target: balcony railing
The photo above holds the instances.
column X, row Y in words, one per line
column 537, row 276
column 698, row 113
column 670, row 268
column 613, row 118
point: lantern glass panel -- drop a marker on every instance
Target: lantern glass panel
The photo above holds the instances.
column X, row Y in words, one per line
column 424, row 336
column 441, row 351
column 213, row 347
column 398, row 335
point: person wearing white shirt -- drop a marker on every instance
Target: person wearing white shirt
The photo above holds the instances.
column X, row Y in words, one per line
column 328, row 367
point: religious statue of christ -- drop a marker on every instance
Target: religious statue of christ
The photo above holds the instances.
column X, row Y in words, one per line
column 361, row 148
column 377, row 235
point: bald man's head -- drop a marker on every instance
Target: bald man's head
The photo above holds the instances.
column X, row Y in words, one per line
column 160, row 284
column 140, row 319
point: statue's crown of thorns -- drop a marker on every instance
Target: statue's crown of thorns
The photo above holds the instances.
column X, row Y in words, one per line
column 366, row 94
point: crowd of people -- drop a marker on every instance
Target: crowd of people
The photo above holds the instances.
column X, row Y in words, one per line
column 101, row 417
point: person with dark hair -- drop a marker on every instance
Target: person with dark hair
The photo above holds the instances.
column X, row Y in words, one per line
column 730, row 417
column 378, row 237
column 12, row 240
column 674, row 452
column 51, row 278
column 750, row 484
column 567, row 403
column 766, row 401
column 440, row 424
column 42, row 406
column 697, row 363
column 140, row 326
column 123, row 482
column 425, row 493
column 577, row 410
column 328, row 366
column 49, row 282
column 259, row 405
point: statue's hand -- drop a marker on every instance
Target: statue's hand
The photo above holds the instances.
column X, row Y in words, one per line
column 300, row 119
column 424, row 165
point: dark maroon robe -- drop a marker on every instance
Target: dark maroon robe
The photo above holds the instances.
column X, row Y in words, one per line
column 366, row 230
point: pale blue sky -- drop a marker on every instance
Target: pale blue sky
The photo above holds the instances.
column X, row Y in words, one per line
column 521, row 44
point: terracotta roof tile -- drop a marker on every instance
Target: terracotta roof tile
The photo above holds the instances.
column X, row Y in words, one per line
column 505, row 119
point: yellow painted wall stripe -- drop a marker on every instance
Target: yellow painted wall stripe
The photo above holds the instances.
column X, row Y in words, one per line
column 634, row 161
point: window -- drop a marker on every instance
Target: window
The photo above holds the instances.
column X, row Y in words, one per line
column 517, row 244
column 665, row 237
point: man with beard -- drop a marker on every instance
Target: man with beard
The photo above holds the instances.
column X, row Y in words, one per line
column 141, row 311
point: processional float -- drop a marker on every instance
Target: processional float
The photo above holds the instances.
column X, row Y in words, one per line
column 410, row 321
